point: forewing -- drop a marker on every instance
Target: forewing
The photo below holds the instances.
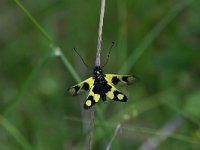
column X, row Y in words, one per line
column 115, row 94
column 91, row 99
column 81, row 87
column 120, row 79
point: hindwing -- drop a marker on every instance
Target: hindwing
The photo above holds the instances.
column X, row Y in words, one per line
column 91, row 99
column 81, row 87
column 115, row 94
column 120, row 79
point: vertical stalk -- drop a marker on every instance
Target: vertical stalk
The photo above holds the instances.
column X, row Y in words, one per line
column 91, row 129
column 98, row 53
column 97, row 63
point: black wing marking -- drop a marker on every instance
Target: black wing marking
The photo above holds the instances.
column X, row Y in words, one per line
column 81, row 87
column 120, row 79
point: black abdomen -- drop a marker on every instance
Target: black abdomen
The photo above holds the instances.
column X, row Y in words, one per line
column 101, row 87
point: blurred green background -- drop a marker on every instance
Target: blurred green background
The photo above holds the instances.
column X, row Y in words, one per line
column 156, row 40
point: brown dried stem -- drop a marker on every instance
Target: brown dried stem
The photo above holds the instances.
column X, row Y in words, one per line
column 97, row 63
column 98, row 53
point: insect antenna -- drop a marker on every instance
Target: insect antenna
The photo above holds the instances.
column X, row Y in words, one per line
column 108, row 54
column 83, row 60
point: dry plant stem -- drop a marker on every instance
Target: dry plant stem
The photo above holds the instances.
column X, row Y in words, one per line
column 154, row 142
column 97, row 63
column 91, row 129
column 98, row 53
column 115, row 134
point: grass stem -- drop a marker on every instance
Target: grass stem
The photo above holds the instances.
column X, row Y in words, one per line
column 97, row 63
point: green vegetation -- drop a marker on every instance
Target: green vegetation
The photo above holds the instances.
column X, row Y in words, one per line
column 158, row 41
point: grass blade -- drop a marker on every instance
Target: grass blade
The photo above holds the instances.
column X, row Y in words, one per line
column 27, row 83
column 15, row 133
column 57, row 50
column 34, row 21
column 69, row 67
column 114, row 136
column 137, row 53
column 140, row 129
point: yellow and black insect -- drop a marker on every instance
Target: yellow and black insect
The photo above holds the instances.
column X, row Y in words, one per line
column 102, row 86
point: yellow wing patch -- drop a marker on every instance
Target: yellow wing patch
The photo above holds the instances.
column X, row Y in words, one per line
column 96, row 97
column 91, row 99
column 81, row 87
column 88, row 103
column 110, row 94
column 120, row 96
column 120, row 79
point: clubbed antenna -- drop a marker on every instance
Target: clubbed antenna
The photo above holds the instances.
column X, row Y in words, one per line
column 82, row 59
column 108, row 54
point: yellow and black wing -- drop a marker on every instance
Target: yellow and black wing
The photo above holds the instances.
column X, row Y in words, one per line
column 91, row 99
column 120, row 79
column 115, row 94
column 81, row 87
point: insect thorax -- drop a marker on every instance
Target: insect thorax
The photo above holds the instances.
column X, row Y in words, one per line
column 99, row 78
